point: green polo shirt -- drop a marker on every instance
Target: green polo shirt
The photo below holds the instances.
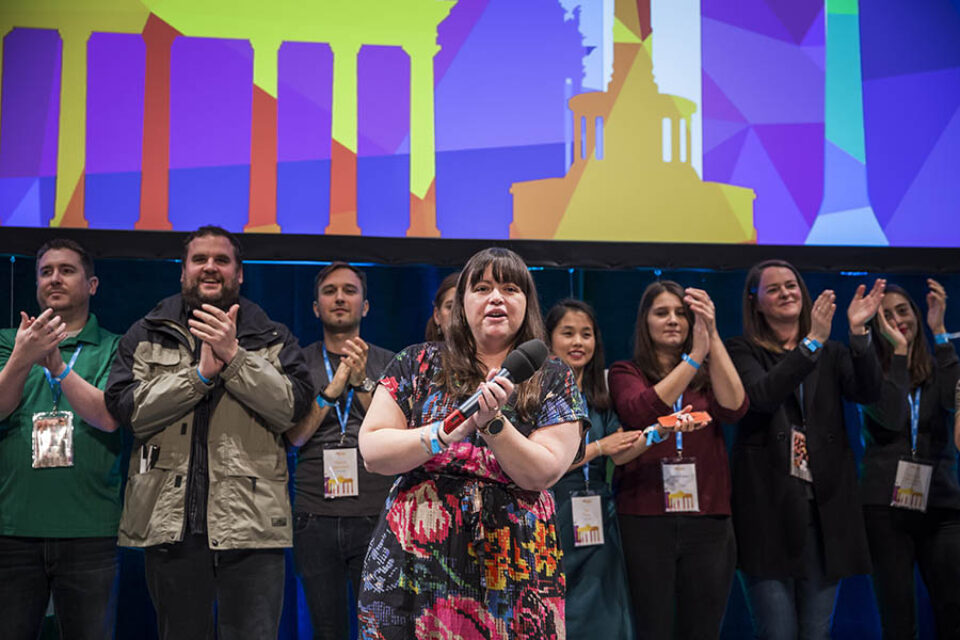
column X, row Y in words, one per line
column 65, row 502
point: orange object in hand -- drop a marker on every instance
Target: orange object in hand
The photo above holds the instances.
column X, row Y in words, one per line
column 669, row 422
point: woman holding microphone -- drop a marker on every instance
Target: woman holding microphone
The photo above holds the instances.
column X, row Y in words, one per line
column 467, row 543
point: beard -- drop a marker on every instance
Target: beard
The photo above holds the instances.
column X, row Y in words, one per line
column 229, row 294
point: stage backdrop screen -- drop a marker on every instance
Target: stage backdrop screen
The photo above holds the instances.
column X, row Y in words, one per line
column 769, row 121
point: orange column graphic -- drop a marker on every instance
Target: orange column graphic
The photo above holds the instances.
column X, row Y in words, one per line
column 263, row 164
column 155, row 165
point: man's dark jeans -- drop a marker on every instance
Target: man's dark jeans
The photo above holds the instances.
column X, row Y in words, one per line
column 81, row 573
column 328, row 551
column 185, row 579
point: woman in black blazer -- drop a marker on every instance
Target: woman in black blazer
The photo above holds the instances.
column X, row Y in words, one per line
column 796, row 512
column 910, row 430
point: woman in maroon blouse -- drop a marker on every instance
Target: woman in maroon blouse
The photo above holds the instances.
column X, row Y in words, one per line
column 674, row 485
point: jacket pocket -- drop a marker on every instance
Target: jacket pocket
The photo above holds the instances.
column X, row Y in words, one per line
column 153, row 499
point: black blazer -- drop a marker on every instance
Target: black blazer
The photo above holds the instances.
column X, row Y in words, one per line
column 771, row 509
column 886, row 432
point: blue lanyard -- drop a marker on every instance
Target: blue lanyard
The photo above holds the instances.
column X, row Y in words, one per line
column 55, row 388
column 586, row 466
column 914, row 419
column 676, row 407
column 344, row 415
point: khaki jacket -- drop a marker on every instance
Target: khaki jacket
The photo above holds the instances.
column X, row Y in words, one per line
column 154, row 388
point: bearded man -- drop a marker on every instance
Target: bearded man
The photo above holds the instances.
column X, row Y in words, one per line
column 208, row 384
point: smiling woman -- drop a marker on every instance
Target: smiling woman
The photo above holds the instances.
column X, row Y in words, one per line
column 474, row 498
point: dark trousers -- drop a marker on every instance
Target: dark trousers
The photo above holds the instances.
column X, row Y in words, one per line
column 81, row 573
column 328, row 553
column 898, row 538
column 680, row 570
column 185, row 579
column 791, row 608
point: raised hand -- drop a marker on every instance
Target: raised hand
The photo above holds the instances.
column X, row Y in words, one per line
column 700, row 303
column 892, row 335
column 863, row 307
column 356, row 359
column 936, row 306
column 217, row 328
column 821, row 315
column 37, row 337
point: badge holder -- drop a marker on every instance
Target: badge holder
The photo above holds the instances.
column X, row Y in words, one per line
column 587, row 518
column 911, row 486
column 341, row 474
column 680, row 493
column 52, row 436
column 799, row 456
column 52, row 439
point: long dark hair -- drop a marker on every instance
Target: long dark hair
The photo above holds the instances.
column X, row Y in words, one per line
column 462, row 370
column 594, row 385
column 755, row 326
column 644, row 351
column 921, row 362
column 434, row 332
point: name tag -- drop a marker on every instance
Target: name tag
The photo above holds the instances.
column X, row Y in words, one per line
column 340, row 474
column 799, row 457
column 587, row 520
column 911, row 487
column 52, row 439
column 680, row 485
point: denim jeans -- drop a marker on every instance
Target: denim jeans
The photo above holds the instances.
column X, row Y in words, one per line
column 328, row 553
column 680, row 569
column 81, row 573
column 185, row 579
column 792, row 608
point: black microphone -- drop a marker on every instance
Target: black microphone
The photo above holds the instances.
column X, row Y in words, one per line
column 520, row 364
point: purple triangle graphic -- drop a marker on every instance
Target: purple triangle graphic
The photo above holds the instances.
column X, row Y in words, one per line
column 796, row 151
column 796, row 16
column 716, row 104
column 720, row 161
column 752, row 15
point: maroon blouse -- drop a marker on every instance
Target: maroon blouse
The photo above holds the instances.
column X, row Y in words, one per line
column 640, row 481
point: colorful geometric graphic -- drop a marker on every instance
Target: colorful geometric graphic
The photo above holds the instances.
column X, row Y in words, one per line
column 768, row 121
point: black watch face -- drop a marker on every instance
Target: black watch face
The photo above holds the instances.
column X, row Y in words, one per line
column 495, row 426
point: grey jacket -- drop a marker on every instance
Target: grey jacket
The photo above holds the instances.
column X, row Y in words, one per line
column 154, row 388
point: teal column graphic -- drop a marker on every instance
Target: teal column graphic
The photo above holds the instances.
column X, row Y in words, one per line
column 845, row 216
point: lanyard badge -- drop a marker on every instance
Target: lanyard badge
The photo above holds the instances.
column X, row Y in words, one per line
column 341, row 473
column 911, row 486
column 52, row 436
column 680, row 494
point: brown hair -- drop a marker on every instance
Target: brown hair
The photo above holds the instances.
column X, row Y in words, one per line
column 644, row 351
column 755, row 326
column 433, row 332
column 65, row 243
column 334, row 266
column 921, row 362
column 594, row 385
column 462, row 371
column 213, row 230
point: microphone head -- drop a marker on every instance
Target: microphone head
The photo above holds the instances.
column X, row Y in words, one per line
column 525, row 360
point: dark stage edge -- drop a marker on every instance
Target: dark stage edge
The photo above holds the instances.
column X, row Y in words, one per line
column 165, row 245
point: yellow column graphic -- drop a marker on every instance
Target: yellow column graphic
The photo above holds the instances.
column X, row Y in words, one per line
column 423, row 148
column 3, row 38
column 71, row 144
column 344, row 124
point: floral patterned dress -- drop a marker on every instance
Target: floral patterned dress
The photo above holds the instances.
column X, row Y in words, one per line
column 461, row 552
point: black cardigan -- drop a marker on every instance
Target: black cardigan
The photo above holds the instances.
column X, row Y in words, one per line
column 886, row 432
column 771, row 509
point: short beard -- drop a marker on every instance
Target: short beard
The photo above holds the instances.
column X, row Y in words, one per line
column 230, row 293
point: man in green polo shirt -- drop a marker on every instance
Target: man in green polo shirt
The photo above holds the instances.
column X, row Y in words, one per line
column 60, row 458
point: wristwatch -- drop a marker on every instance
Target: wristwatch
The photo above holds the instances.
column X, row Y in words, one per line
column 367, row 385
column 493, row 427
